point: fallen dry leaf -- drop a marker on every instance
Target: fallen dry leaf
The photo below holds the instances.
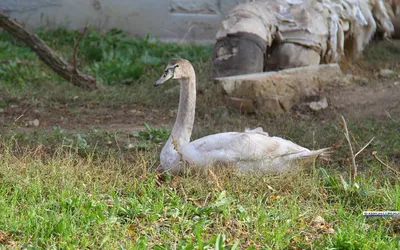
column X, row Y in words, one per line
column 274, row 197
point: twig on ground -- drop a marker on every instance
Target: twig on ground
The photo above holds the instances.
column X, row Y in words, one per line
column 206, row 199
column 116, row 141
column 47, row 54
column 353, row 158
column 19, row 117
column 75, row 51
column 157, row 177
column 183, row 191
column 384, row 164
column 389, row 115
column 366, row 145
column 215, row 178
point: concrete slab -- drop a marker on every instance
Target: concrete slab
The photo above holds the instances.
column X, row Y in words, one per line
column 172, row 20
column 280, row 90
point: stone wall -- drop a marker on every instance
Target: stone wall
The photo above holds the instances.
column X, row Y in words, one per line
column 178, row 20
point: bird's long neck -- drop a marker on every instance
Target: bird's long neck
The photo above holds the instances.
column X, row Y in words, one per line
column 183, row 126
column 186, row 111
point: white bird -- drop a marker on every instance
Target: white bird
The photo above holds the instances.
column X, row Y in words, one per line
column 249, row 150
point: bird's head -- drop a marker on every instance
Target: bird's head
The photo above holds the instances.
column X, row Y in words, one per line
column 176, row 69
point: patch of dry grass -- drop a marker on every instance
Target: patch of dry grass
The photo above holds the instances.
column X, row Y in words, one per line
column 68, row 201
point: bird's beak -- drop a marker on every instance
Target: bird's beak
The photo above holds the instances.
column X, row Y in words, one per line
column 163, row 78
column 158, row 82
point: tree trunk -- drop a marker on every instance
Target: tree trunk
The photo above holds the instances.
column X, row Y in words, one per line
column 47, row 55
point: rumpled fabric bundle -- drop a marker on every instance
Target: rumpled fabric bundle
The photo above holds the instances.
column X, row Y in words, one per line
column 320, row 25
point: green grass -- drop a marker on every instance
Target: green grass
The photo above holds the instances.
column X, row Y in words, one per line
column 91, row 187
column 66, row 201
column 112, row 57
column 124, row 64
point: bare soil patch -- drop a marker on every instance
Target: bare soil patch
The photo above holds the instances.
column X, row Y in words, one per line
column 355, row 101
column 375, row 101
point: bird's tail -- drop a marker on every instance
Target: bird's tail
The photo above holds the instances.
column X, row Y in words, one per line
column 323, row 154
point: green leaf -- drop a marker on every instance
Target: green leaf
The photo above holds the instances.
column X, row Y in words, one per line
column 197, row 232
column 219, row 243
column 105, row 239
column 344, row 183
column 147, row 126
column 236, row 245
column 324, row 173
column 223, row 200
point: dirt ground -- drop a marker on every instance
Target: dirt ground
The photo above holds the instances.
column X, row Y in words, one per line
column 365, row 96
column 380, row 100
column 100, row 116
column 377, row 101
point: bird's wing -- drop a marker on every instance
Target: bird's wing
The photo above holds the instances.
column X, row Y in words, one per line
column 236, row 146
column 257, row 130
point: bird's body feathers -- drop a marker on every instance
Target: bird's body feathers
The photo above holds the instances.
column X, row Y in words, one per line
column 252, row 150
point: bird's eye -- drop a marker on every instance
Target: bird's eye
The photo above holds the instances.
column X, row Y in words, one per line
column 177, row 66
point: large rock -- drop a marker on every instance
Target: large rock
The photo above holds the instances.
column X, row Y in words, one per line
column 280, row 90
